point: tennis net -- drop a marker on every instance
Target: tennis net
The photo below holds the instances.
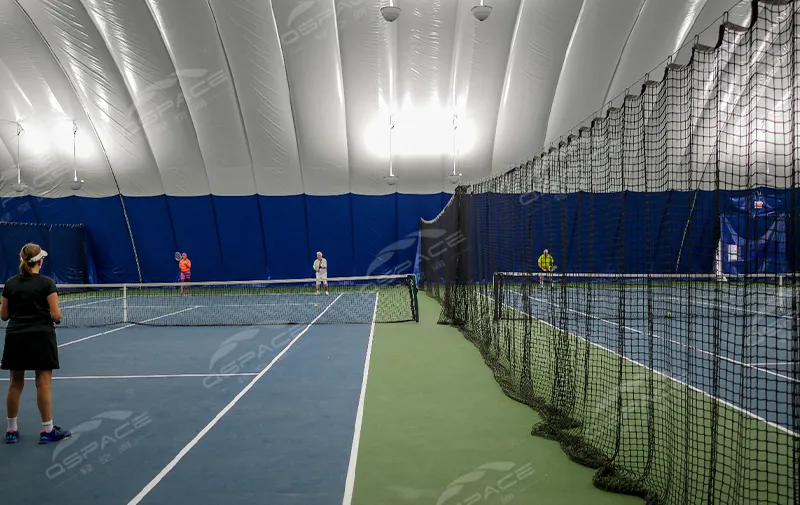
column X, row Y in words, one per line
column 349, row 300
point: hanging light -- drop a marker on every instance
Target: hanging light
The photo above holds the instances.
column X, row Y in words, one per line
column 390, row 179
column 74, row 184
column 481, row 12
column 19, row 186
column 390, row 12
column 454, row 178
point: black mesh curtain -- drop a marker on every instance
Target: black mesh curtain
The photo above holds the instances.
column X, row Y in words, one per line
column 647, row 359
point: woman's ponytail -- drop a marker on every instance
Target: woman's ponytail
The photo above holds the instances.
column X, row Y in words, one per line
column 28, row 252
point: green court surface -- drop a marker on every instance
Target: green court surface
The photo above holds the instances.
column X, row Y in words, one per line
column 663, row 413
column 438, row 429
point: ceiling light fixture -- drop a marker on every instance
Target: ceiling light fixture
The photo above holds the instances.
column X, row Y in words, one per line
column 481, row 12
column 390, row 12
column 19, row 186
column 74, row 184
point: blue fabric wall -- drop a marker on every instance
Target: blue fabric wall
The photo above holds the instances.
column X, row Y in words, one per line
column 68, row 260
column 260, row 237
column 596, row 233
column 239, row 238
column 615, row 233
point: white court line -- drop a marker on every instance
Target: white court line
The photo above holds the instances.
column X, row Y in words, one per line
column 681, row 344
column 183, row 452
column 152, row 295
column 152, row 376
column 721, row 303
column 731, row 307
column 351, row 468
column 776, row 363
column 213, row 306
column 89, row 303
column 667, row 376
column 122, row 328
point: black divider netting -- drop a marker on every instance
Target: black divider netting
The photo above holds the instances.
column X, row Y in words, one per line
column 664, row 349
column 357, row 300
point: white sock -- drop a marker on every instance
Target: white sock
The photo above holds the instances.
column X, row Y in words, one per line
column 12, row 424
column 48, row 426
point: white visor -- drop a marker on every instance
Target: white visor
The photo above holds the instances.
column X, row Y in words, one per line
column 42, row 254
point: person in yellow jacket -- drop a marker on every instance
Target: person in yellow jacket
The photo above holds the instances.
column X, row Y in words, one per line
column 546, row 265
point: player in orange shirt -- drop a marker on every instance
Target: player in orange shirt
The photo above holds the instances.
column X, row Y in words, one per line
column 186, row 271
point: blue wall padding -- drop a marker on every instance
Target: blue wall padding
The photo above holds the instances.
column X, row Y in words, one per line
column 196, row 232
column 68, row 254
column 375, row 234
column 241, row 237
column 19, row 209
column 289, row 254
column 104, row 224
column 68, row 260
column 700, row 239
column 330, row 230
column 51, row 210
column 151, row 223
column 634, row 233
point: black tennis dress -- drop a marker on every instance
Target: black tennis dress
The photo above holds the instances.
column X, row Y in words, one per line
column 30, row 342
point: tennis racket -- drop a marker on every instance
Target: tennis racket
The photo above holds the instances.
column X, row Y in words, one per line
column 178, row 256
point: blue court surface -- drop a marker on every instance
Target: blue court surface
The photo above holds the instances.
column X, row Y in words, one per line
column 204, row 415
column 753, row 349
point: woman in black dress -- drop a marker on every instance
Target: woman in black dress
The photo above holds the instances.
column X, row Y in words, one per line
column 30, row 305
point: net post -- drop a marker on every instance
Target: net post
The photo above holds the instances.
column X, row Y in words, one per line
column 496, row 294
column 412, row 285
column 125, row 303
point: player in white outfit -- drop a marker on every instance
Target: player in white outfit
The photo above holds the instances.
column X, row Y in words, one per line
column 321, row 268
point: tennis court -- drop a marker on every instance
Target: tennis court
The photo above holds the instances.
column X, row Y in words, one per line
column 753, row 324
column 239, row 202
column 654, row 380
column 272, row 413
column 202, row 415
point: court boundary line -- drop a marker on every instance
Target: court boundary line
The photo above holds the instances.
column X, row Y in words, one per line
column 733, row 308
column 66, row 302
column 349, row 485
column 122, row 328
column 188, row 447
column 215, row 305
column 669, row 340
column 713, row 398
column 145, row 376
column 730, row 306
column 741, row 410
